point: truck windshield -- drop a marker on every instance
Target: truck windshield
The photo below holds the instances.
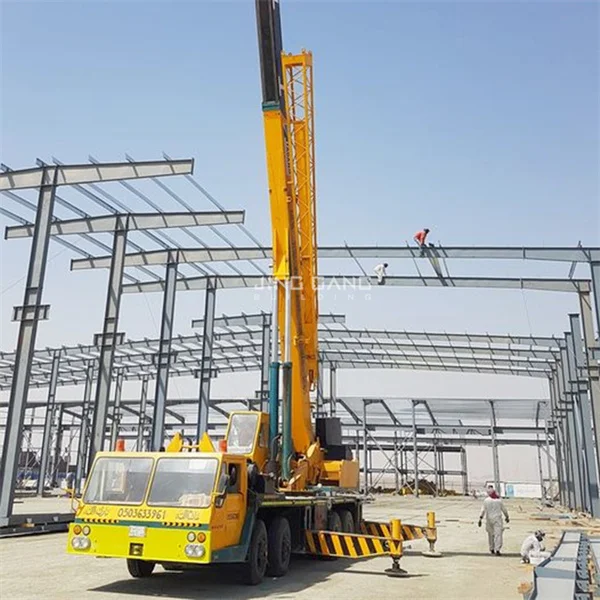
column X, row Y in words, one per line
column 118, row 481
column 183, row 482
column 242, row 431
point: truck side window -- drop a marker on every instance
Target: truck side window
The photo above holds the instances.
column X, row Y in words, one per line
column 234, row 479
column 263, row 440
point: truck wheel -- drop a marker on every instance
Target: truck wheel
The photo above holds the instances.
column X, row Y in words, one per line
column 347, row 520
column 256, row 564
column 140, row 568
column 280, row 547
column 334, row 523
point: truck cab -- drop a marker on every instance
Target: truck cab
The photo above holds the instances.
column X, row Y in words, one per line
column 173, row 507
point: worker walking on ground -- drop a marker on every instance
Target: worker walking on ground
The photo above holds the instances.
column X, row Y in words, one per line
column 493, row 509
column 420, row 237
column 380, row 273
column 533, row 549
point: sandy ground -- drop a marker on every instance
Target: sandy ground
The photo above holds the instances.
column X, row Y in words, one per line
column 38, row 567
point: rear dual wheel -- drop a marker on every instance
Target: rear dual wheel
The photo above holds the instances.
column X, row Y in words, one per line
column 270, row 551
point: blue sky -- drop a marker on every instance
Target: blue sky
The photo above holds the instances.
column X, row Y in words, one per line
column 477, row 119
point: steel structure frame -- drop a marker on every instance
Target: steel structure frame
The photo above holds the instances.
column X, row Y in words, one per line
column 568, row 363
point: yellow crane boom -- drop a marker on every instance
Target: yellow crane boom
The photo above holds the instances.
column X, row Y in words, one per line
column 289, row 139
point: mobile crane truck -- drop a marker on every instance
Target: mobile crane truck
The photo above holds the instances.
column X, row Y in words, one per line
column 268, row 491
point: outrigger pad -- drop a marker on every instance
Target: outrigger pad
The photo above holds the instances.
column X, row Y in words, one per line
column 432, row 554
column 396, row 572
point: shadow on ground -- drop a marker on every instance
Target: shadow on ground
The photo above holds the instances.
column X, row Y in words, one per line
column 225, row 582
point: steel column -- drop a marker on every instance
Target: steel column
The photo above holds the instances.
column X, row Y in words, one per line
column 463, row 466
column 396, row 466
column 585, row 407
column 28, row 315
column 540, row 471
column 558, row 439
column 116, row 414
column 80, row 468
column 595, row 270
column 208, row 334
column 548, row 457
column 108, row 339
column 48, row 422
column 320, row 400
column 566, row 432
column 164, row 357
column 593, row 373
column 365, row 450
column 265, row 363
column 572, row 444
column 579, row 447
column 333, row 390
column 415, row 449
column 57, row 445
column 495, row 459
column 139, row 444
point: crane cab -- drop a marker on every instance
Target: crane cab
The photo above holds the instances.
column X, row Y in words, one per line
column 248, row 435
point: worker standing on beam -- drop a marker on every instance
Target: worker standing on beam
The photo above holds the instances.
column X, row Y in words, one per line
column 493, row 509
column 380, row 273
column 420, row 237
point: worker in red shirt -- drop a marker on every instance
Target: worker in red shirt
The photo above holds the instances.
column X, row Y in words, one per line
column 420, row 238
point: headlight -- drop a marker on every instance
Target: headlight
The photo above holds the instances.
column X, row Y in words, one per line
column 194, row 551
column 191, row 536
column 86, row 530
column 80, row 543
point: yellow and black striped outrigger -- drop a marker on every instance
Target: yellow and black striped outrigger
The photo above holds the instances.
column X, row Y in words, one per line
column 375, row 539
column 408, row 532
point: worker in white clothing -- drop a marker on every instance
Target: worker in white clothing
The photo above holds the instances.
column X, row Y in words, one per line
column 380, row 272
column 492, row 510
column 532, row 550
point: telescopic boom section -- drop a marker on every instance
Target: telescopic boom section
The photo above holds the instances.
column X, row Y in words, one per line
column 289, row 139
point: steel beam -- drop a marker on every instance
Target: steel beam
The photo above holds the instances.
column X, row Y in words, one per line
column 48, row 422
column 164, row 355
column 566, row 254
column 30, row 312
column 186, row 255
column 207, row 356
column 366, row 283
column 86, row 173
column 137, row 221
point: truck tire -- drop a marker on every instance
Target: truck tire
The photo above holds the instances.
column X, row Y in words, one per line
column 140, row 568
column 334, row 523
column 280, row 547
column 256, row 564
column 347, row 520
